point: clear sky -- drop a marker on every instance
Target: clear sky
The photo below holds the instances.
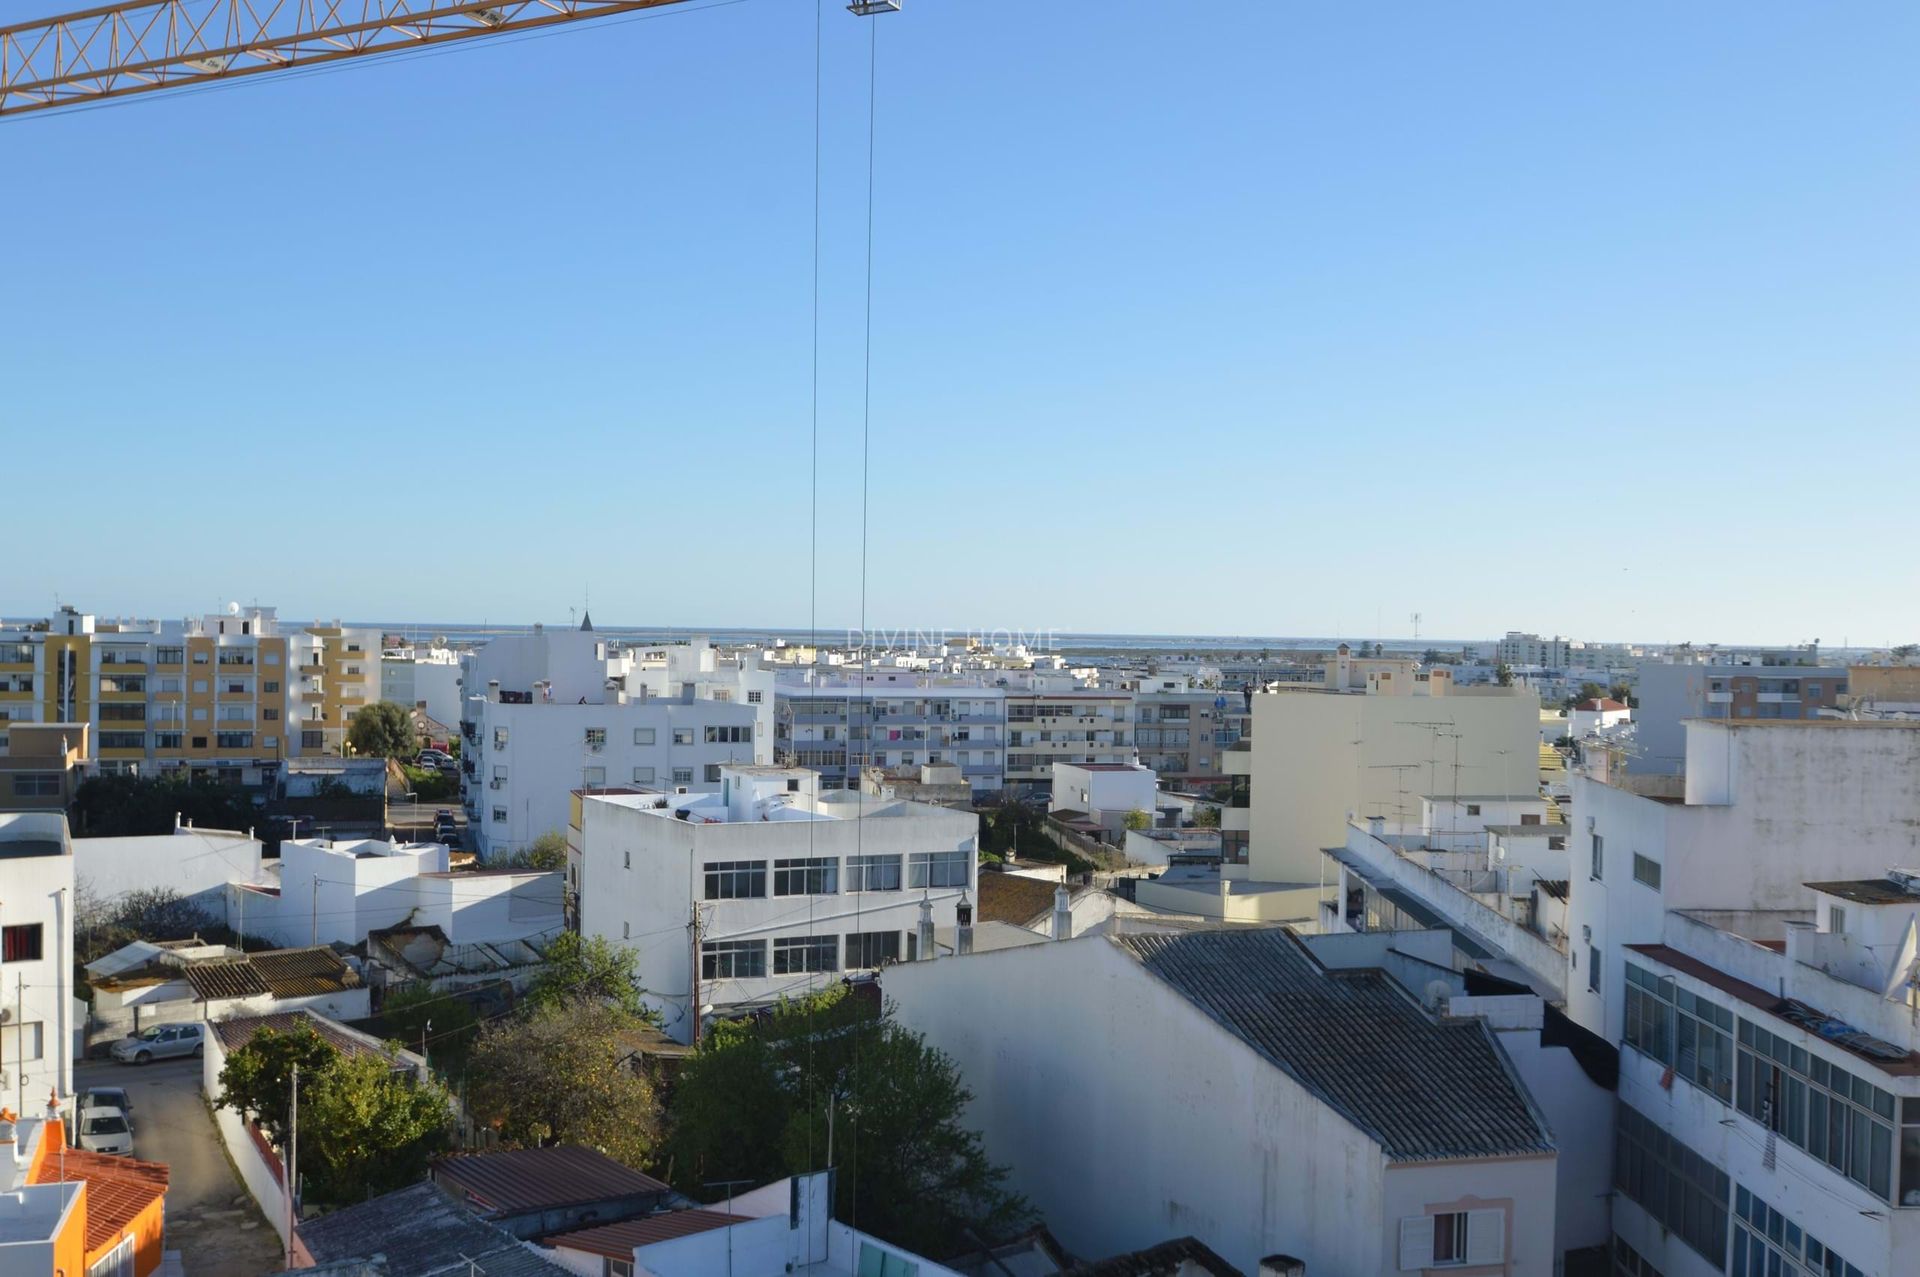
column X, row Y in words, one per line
column 1245, row 317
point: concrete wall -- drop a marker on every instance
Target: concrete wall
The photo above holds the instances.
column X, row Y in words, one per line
column 260, row 1171
column 487, row 907
column 196, row 863
column 1319, row 757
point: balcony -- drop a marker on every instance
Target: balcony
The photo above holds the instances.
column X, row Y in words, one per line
column 312, row 669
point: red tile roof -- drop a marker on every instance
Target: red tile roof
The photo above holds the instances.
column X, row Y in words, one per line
column 118, row 1188
column 616, row 1241
column 1600, row 704
column 537, row 1178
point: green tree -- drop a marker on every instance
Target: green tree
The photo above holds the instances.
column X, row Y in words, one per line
column 1206, row 817
column 383, row 729
column 761, row 1098
column 368, row 1128
column 1622, row 693
column 547, row 852
column 564, row 1074
column 589, row 969
column 1588, row 692
column 257, row 1079
column 1503, row 674
column 1138, row 819
column 1904, row 652
column 125, row 806
column 450, row 1024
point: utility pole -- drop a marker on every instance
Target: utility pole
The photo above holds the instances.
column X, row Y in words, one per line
column 314, row 896
column 20, row 1040
column 693, row 930
column 293, row 1160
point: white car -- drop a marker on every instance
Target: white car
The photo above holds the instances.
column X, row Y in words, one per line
column 105, row 1130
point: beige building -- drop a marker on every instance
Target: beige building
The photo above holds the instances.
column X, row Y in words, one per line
column 1320, row 758
column 40, row 764
column 1044, row 728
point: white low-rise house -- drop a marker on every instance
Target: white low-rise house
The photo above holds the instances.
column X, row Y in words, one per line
column 339, row 890
column 783, row 1227
column 175, row 983
column 1260, row 1094
column 196, row 863
column 1106, row 792
column 556, row 711
column 423, row 678
column 1597, row 716
column 778, row 887
column 36, row 953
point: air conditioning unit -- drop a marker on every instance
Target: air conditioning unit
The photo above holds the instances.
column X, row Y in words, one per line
column 496, row 783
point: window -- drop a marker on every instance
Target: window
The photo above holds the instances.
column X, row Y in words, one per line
column 683, row 736
column 231, row 740
column 616, row 1268
column 1599, row 857
column 123, row 740
column 1646, row 871
column 736, row 880
column 593, row 777
column 1593, row 969
column 169, row 655
column 596, row 738
column 873, row 873
column 1452, row 1239
column 1473, row 809
column 733, row 959
column 939, row 868
column 270, row 715
column 37, row 785
column 499, row 738
column 1449, row 1239
column 727, row 735
column 1837, row 919
column 713, row 773
column 199, row 742
column 1628, row 1262
column 683, row 775
column 643, row 775
column 200, row 686
column 499, row 815
column 797, row 955
column 1673, row 1026
column 643, row 735
column 1831, row 1113
column 753, row 698
column 815, row 876
column 1684, row 1191
column 200, row 657
column 269, row 687
column 312, row 740
column 20, row 942
column 875, row 1262
column 1767, row 1242
column 868, row 949
column 171, row 740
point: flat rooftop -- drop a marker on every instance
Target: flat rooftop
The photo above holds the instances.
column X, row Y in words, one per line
column 22, row 848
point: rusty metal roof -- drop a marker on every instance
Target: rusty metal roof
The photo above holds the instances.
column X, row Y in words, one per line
column 514, row 1180
column 225, row 978
column 617, row 1241
column 297, row 973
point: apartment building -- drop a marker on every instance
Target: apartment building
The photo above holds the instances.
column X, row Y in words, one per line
column 41, row 764
column 230, row 694
column 778, row 886
column 554, row 711
column 1518, row 648
column 892, row 719
column 1183, row 735
column 1044, row 728
column 428, row 677
column 36, row 953
column 1668, row 694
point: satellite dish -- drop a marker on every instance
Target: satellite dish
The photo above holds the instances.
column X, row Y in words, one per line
column 439, row 640
column 233, row 609
column 1437, row 993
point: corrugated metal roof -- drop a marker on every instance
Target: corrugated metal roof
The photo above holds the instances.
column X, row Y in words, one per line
column 617, row 1241
column 297, row 973
column 421, row 1232
column 1422, row 1087
column 514, row 1180
column 227, row 978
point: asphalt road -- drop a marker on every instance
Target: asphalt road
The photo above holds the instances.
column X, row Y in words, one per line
column 211, row 1219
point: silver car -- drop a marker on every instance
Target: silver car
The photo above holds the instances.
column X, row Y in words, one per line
column 105, row 1130
column 161, row 1042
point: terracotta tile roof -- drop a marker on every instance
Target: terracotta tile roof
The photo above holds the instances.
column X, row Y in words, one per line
column 537, row 1178
column 1603, row 704
column 237, row 1032
column 616, row 1241
column 118, row 1189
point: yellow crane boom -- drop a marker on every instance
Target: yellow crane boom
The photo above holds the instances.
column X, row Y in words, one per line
column 139, row 46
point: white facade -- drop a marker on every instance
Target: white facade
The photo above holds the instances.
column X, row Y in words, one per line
column 196, row 863
column 1177, row 1127
column 1106, row 792
column 36, row 954
column 1320, row 758
column 1763, row 809
column 791, row 887
column 890, row 718
column 429, row 676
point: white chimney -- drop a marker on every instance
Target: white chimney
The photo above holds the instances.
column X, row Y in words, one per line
column 1283, row 1266
column 963, row 933
column 1377, row 825
column 926, row 951
column 1062, row 914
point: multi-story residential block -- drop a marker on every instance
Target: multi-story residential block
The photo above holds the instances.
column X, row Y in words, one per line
column 891, row 719
column 1531, row 649
column 1044, row 728
column 36, row 953
column 555, row 711
column 231, row 694
column 777, row 886
column 1668, row 694
column 1284, row 1095
column 1183, row 735
column 423, row 677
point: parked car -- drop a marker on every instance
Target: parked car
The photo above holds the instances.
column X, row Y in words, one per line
column 108, row 1097
column 433, row 758
column 106, row 1130
column 161, row 1042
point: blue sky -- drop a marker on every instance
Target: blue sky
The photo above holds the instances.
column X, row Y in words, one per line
column 1251, row 318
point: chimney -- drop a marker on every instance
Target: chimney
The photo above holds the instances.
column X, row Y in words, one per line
column 926, row 953
column 1377, row 826
column 1062, row 914
column 1283, row 1266
column 493, row 690
column 963, row 933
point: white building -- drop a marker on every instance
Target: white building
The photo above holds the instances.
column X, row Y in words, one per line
column 555, row 711
column 1261, row 1092
column 196, row 863
column 1106, row 792
column 1597, row 716
column 338, row 890
column 788, row 887
column 893, row 718
column 428, row 677
column 36, row 954
column 1518, row 648
column 1763, row 808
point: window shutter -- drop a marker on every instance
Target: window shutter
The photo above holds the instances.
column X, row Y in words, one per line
column 1486, row 1236
column 1416, row 1243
